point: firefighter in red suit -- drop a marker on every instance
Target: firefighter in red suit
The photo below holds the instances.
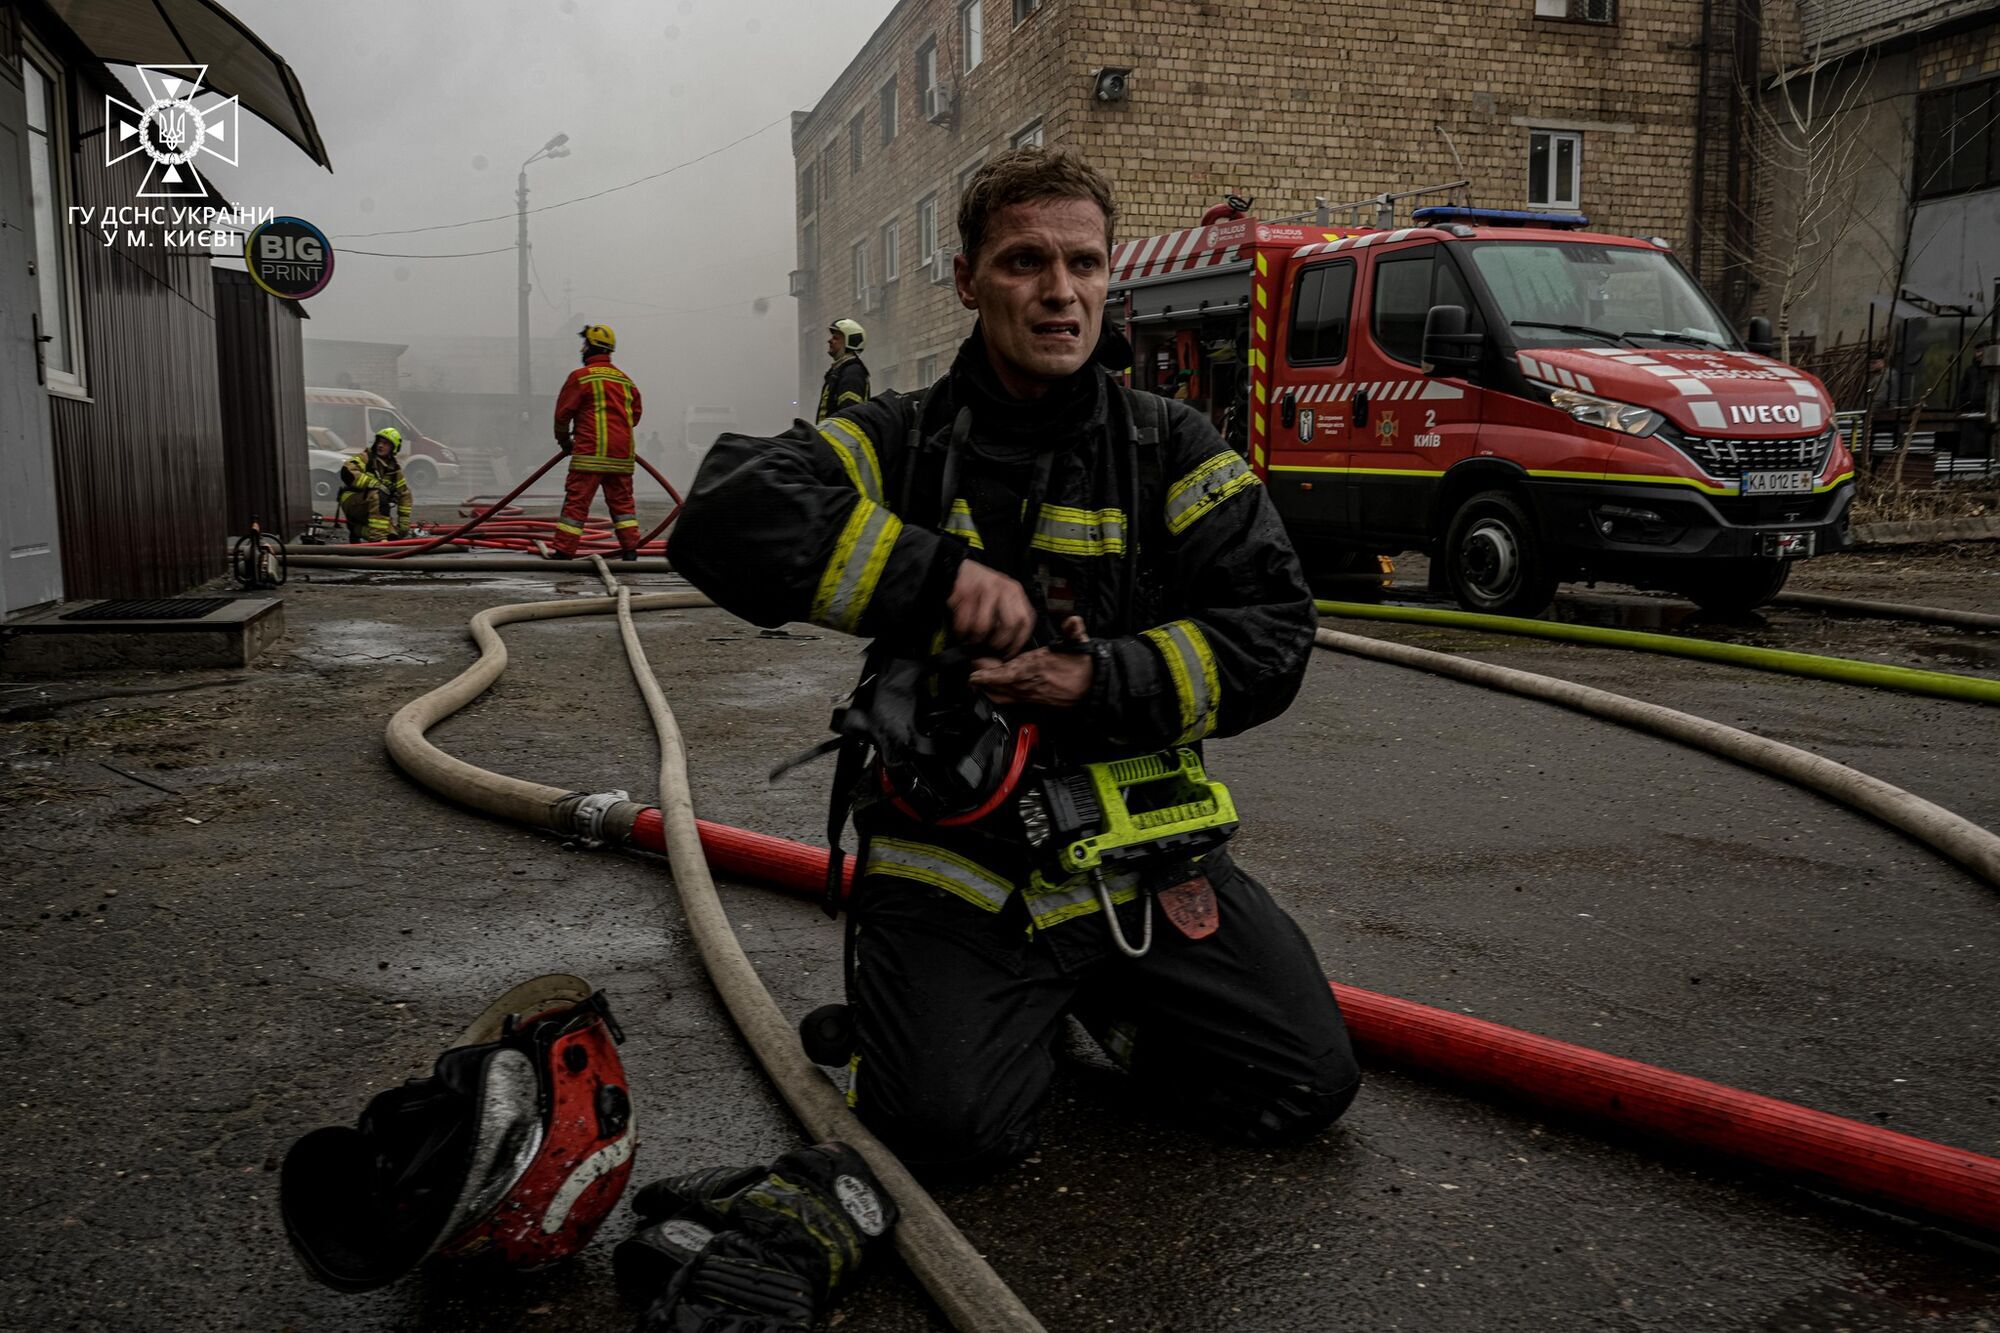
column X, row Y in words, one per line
column 595, row 415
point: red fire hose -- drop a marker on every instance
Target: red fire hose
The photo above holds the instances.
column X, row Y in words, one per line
column 507, row 529
column 1861, row 1161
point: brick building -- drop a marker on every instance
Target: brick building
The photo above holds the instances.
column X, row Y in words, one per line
column 1603, row 106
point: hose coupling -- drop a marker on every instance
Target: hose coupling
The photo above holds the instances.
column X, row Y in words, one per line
column 590, row 813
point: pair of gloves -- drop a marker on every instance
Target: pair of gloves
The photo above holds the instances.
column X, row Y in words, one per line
column 753, row 1249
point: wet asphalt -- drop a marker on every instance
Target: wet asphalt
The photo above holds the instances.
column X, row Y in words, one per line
column 187, row 997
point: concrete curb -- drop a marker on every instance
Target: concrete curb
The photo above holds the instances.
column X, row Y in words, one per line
column 1920, row 532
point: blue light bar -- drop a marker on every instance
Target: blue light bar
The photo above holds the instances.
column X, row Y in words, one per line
column 1499, row 217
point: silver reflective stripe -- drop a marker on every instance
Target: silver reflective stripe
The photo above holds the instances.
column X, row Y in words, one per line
column 959, row 524
column 940, row 869
column 848, row 583
column 1184, row 648
column 851, row 445
column 1052, row 904
column 1206, row 487
column 1079, row 531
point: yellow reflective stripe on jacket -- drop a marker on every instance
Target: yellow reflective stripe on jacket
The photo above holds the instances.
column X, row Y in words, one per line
column 940, row 869
column 848, row 583
column 1069, row 531
column 1206, row 487
column 850, row 397
column 1050, row 905
column 592, row 463
column 856, row 453
column 1185, row 649
column 959, row 524
column 596, row 383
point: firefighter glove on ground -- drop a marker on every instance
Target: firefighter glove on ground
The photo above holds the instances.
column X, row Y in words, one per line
column 734, row 1250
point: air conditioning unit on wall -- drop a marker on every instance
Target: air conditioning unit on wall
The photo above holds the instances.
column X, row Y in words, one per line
column 939, row 103
column 872, row 299
column 801, row 282
column 941, row 267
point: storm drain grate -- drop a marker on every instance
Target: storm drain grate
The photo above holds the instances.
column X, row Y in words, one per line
column 150, row 608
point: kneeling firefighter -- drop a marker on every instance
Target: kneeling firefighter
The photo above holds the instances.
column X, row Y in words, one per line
column 517, row 1146
column 373, row 487
column 1068, row 586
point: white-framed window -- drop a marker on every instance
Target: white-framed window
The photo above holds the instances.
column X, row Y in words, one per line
column 50, row 193
column 927, row 372
column 1555, row 168
column 890, row 120
column 1028, row 136
column 927, row 73
column 927, row 228
column 972, row 32
column 1578, row 11
column 892, row 247
column 860, row 268
column 1023, row 8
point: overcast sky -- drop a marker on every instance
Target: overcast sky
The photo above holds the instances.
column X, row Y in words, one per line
column 428, row 109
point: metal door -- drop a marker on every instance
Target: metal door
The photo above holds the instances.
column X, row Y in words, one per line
column 30, row 566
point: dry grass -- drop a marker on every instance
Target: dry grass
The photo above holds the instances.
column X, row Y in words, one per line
column 1878, row 499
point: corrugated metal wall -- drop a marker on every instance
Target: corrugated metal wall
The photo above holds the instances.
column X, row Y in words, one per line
column 139, row 468
column 260, row 352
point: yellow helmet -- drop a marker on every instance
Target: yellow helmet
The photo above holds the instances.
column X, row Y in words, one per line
column 393, row 436
column 599, row 335
column 852, row 334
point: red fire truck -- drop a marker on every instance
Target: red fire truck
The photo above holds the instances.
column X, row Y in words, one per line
column 1522, row 399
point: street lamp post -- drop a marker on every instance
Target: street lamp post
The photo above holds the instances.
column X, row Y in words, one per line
column 553, row 148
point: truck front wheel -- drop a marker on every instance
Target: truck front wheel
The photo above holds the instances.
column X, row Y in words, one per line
column 1737, row 586
column 1494, row 558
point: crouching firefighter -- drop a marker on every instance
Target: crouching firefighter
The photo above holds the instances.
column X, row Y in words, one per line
column 1068, row 586
column 374, row 493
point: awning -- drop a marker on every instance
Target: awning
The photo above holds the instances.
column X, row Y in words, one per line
column 199, row 32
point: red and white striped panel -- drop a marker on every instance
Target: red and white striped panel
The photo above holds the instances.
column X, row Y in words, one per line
column 1371, row 238
column 1175, row 252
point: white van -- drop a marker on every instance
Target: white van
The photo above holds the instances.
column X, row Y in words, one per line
column 356, row 414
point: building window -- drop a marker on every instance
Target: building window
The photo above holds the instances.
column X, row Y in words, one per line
column 927, row 229
column 855, row 129
column 965, row 176
column 1023, row 8
column 1555, row 168
column 927, row 78
column 1578, row 11
column 860, row 270
column 927, row 372
column 809, row 246
column 807, row 197
column 826, row 160
column 892, row 245
column 1958, row 139
column 1320, row 305
column 889, row 122
column 1028, row 136
column 49, row 196
column 972, row 32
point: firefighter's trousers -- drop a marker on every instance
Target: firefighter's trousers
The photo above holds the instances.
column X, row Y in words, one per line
column 577, row 493
column 369, row 514
column 957, row 1012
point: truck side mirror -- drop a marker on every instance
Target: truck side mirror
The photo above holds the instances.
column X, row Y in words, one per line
column 1448, row 348
column 1760, row 340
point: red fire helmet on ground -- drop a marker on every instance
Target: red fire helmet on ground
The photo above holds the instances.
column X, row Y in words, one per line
column 517, row 1145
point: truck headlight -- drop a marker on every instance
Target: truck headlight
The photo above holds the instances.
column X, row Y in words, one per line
column 1625, row 418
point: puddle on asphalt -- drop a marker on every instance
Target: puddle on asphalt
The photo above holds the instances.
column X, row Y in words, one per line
column 370, row 643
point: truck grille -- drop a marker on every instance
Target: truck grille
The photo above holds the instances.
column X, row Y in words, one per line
column 1732, row 458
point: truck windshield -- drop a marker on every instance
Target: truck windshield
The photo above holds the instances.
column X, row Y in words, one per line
column 1582, row 294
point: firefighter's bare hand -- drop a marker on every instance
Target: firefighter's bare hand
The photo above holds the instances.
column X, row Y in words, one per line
column 1042, row 676
column 990, row 610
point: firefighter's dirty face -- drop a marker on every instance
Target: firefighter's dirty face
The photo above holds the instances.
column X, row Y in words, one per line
column 1038, row 284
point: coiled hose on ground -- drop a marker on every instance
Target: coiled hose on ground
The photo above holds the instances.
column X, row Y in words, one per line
column 1863, row 1161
